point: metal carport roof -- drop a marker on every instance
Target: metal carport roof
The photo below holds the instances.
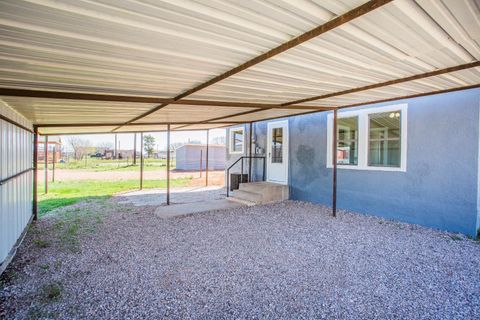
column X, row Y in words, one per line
column 122, row 66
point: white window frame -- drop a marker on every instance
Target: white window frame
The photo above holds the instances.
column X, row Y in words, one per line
column 230, row 145
column 363, row 133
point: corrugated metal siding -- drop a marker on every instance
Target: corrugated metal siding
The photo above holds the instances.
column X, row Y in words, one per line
column 188, row 157
column 166, row 48
column 16, row 155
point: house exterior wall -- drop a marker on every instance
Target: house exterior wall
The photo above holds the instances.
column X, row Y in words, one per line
column 440, row 187
column 188, row 157
column 257, row 164
column 16, row 196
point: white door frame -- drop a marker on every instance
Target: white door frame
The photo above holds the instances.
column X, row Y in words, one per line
column 285, row 149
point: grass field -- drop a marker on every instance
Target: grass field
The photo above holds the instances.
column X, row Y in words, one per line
column 95, row 164
column 69, row 192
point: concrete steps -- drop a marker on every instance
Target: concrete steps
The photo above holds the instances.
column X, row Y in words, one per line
column 261, row 192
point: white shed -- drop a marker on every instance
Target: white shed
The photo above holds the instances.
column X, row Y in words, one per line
column 188, row 157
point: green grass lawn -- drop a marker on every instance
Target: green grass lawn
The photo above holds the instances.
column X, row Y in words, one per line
column 69, row 192
column 95, row 164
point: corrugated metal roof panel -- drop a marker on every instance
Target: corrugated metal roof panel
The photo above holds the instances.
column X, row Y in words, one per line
column 164, row 48
column 75, row 111
column 188, row 113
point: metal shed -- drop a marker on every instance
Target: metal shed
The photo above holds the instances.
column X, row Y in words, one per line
column 121, row 66
column 190, row 156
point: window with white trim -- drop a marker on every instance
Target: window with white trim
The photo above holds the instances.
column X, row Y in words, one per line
column 236, row 140
column 370, row 139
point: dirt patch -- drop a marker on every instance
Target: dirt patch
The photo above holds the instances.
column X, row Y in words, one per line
column 214, row 177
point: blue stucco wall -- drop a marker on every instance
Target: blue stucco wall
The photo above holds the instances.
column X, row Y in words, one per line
column 439, row 188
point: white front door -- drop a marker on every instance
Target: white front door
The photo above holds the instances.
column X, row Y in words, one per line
column 277, row 152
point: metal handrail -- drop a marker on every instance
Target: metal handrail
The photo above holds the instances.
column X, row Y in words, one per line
column 2, row 182
column 241, row 173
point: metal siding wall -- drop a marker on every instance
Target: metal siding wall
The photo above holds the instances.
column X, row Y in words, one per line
column 188, row 158
column 16, row 155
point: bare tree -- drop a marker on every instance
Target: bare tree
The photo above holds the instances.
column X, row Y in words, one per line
column 80, row 146
column 104, row 146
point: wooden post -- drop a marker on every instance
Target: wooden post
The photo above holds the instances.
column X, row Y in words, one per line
column 141, row 161
column 206, row 159
column 201, row 160
column 46, row 164
column 35, row 175
column 334, row 159
column 135, row 148
column 168, row 164
column 54, row 158
column 250, row 153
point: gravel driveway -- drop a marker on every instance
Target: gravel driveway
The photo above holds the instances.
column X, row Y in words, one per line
column 286, row 260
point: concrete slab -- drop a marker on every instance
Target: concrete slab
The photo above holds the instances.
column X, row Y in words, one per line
column 157, row 197
column 176, row 210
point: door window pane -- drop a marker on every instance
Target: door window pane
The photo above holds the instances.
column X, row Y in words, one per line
column 237, row 144
column 347, row 141
column 277, row 145
column 384, row 139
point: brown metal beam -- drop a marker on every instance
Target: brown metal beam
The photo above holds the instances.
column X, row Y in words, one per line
column 35, row 176
column 168, row 165
column 212, row 121
column 388, row 83
column 379, row 101
column 334, row 162
column 411, row 96
column 9, row 92
column 206, row 159
column 315, row 32
column 45, row 152
column 73, row 125
column 224, row 117
column 141, row 161
column 250, row 136
column 135, row 148
column 229, row 123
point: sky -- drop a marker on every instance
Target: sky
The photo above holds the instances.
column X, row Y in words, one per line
column 126, row 139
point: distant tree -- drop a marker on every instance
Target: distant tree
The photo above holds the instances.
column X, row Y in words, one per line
column 194, row 141
column 81, row 147
column 149, row 145
column 176, row 145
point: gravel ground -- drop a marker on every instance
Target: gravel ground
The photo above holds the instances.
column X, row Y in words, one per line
column 286, row 260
